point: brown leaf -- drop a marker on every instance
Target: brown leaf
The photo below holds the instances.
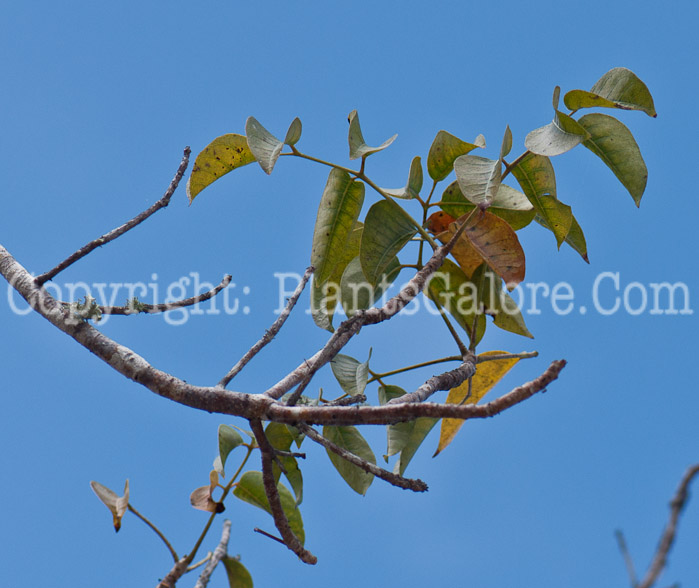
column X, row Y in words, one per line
column 117, row 505
column 201, row 497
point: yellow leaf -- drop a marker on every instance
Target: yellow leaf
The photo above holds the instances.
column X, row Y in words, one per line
column 487, row 375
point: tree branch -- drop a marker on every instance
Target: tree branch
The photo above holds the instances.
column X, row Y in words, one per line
column 275, row 503
column 416, row 485
column 677, row 504
column 271, row 333
column 216, row 557
column 139, row 307
column 113, row 234
column 445, row 381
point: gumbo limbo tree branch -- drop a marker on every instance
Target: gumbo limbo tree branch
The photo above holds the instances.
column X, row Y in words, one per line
column 268, row 406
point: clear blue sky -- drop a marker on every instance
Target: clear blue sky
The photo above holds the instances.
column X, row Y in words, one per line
column 98, row 101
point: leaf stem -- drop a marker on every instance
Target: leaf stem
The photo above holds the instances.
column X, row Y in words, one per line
column 156, row 531
column 378, row 376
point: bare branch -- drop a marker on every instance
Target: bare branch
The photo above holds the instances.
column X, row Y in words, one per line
column 275, row 503
column 138, row 307
column 219, row 553
column 119, row 231
column 627, row 558
column 677, row 504
column 445, row 381
column 271, row 333
column 415, row 485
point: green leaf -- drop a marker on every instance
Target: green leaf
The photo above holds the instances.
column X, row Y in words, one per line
column 263, row 144
column 614, row 144
column 499, row 304
column 557, row 137
column 228, row 440
column 338, row 211
column 350, row 374
column 420, row 429
column 509, row 204
column 324, row 298
column 450, row 287
column 626, row 90
column 478, row 178
column 386, row 231
column 281, row 438
column 414, row 185
column 238, row 575
column 294, row 133
column 222, row 155
column 398, row 435
column 357, row 146
column 575, row 237
column 350, row 438
column 536, row 177
column 577, row 99
column 506, row 143
column 356, row 293
column 444, row 151
column 251, row 489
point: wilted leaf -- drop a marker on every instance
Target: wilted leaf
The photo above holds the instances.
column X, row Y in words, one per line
column 238, row 575
column 263, row 144
column 351, row 439
column 614, row 144
column 357, row 146
column 626, row 90
column 201, row 498
column 251, row 489
column 228, row 440
column 509, row 204
column 497, row 244
column 536, row 177
column 478, row 178
column 117, row 505
column 357, row 293
column 420, row 429
column 386, row 231
column 487, row 375
column 222, row 155
column 444, row 151
column 350, row 374
column 414, row 185
column 294, row 133
column 338, row 211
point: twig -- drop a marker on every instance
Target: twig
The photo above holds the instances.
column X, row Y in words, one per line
column 627, row 558
column 113, row 234
column 415, row 485
column 445, row 381
column 269, row 334
column 275, row 503
column 668, row 537
column 219, row 553
column 269, row 535
column 138, row 307
column 347, row 400
column 157, row 531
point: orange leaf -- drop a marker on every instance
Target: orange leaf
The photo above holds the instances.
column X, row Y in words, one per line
column 487, row 375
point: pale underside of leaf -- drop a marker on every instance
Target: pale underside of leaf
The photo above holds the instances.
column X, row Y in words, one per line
column 263, row 144
column 478, row 178
column 357, row 146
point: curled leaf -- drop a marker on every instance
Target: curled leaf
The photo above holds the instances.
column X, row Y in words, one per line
column 444, row 151
column 263, row 144
column 294, row 133
column 414, row 185
column 201, row 498
column 117, row 505
column 357, row 146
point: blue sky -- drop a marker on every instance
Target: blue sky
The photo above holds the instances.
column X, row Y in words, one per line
column 98, row 102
